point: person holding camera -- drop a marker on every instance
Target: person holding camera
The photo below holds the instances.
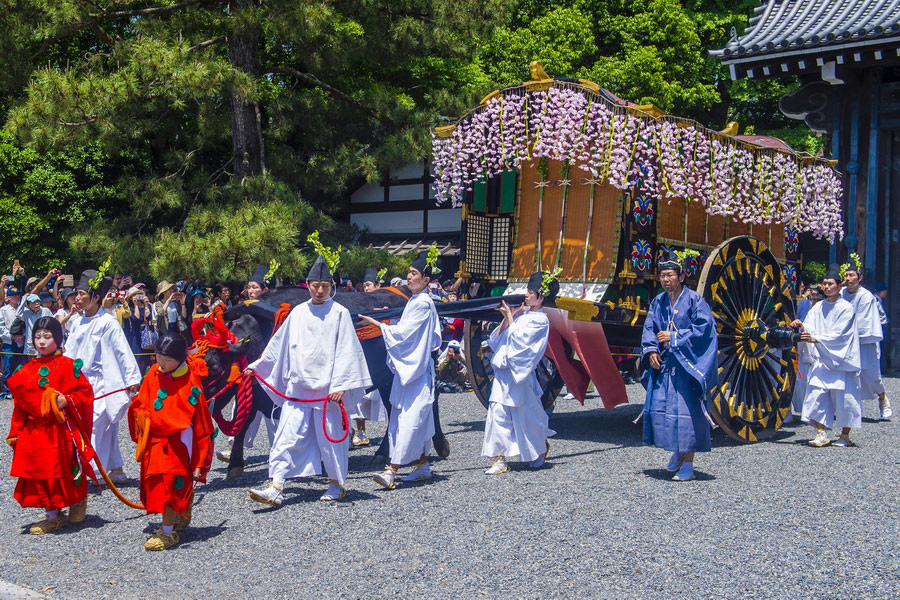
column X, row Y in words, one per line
column 141, row 327
column 199, row 304
column 10, row 299
column 170, row 308
column 31, row 310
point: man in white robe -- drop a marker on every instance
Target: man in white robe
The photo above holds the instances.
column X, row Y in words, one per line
column 97, row 339
column 370, row 408
column 868, row 324
column 517, row 423
column 314, row 354
column 830, row 347
column 410, row 344
column 802, row 376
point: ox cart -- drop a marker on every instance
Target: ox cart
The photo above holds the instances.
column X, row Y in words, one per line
column 559, row 174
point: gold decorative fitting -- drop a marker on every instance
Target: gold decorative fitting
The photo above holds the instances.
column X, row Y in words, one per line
column 730, row 129
column 650, row 109
column 536, row 68
column 590, row 85
column 538, row 85
column 579, row 310
column 445, row 131
column 490, row 96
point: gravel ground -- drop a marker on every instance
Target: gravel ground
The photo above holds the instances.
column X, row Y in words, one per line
column 602, row 520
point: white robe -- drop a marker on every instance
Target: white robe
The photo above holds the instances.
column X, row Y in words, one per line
column 370, row 407
column 832, row 386
column 410, row 344
column 868, row 324
column 313, row 354
column 109, row 364
column 516, row 421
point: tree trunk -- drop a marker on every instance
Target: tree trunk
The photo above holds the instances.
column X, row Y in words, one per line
column 246, row 130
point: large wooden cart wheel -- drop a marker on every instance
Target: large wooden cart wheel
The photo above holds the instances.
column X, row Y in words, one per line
column 753, row 307
column 481, row 374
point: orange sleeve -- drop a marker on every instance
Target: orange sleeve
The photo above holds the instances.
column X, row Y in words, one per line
column 138, row 402
column 83, row 398
column 16, row 425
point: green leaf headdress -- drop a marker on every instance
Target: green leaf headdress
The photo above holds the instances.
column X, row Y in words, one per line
column 331, row 257
column 854, row 260
column 97, row 279
column 432, row 259
column 548, row 280
column 380, row 276
column 685, row 254
column 274, row 265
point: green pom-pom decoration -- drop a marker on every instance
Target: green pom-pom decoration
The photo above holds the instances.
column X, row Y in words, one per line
column 215, row 434
column 43, row 381
column 192, row 400
column 196, row 391
column 158, row 404
column 77, row 365
column 162, row 394
column 44, row 371
column 179, row 482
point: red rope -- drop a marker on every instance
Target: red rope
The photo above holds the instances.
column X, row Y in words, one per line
column 244, row 403
column 124, row 389
column 345, row 421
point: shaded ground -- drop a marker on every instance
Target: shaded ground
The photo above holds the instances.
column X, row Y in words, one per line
column 603, row 520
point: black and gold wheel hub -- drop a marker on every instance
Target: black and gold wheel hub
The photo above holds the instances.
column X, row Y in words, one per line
column 746, row 289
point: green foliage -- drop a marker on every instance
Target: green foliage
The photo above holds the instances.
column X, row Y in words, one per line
column 813, row 272
column 247, row 225
column 356, row 259
column 45, row 196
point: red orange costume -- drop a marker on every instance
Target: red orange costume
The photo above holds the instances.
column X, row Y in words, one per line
column 51, row 473
column 170, row 421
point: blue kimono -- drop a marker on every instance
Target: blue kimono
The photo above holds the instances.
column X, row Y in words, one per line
column 676, row 415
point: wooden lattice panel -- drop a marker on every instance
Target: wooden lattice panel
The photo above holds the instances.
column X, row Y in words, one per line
column 775, row 239
column 715, row 225
column 696, row 223
column 670, row 223
column 603, row 242
column 703, row 229
column 736, row 228
column 526, row 222
column 552, row 216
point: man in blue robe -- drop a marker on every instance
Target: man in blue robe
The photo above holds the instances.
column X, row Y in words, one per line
column 678, row 353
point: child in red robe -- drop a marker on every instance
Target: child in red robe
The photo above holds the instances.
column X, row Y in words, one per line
column 170, row 421
column 51, row 472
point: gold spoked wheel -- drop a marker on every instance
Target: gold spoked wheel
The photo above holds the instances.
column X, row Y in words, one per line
column 752, row 303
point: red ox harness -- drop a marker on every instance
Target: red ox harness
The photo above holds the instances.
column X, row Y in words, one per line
column 218, row 337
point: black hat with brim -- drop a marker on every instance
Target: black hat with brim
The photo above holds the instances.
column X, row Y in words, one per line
column 320, row 271
column 670, row 261
column 85, row 283
column 833, row 272
column 371, row 275
column 421, row 264
column 536, row 282
column 259, row 276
